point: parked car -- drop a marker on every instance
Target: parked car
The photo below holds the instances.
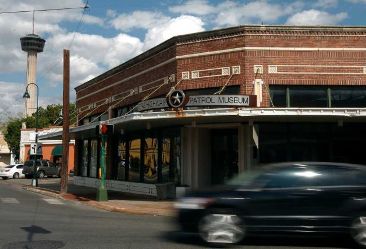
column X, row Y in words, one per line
column 306, row 197
column 12, row 171
column 43, row 168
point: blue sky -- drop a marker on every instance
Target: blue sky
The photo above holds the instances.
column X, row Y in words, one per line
column 113, row 31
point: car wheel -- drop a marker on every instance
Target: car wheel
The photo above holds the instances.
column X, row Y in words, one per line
column 358, row 230
column 41, row 174
column 221, row 227
column 16, row 175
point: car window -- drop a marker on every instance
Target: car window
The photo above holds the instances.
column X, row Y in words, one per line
column 28, row 163
column 19, row 166
column 340, row 176
column 9, row 167
column 291, row 177
column 38, row 163
column 51, row 164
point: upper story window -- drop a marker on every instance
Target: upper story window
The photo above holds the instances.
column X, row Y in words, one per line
column 318, row 96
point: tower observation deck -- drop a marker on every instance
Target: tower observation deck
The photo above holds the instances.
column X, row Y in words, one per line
column 32, row 44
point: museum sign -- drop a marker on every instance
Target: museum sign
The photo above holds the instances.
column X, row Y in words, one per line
column 177, row 99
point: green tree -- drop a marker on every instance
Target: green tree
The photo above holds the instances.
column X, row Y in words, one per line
column 12, row 135
column 49, row 116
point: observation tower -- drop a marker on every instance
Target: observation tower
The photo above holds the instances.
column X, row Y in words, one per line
column 32, row 44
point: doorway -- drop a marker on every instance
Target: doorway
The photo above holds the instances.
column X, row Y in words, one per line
column 224, row 154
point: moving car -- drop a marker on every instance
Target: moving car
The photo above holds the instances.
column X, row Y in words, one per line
column 43, row 168
column 12, row 171
column 305, row 197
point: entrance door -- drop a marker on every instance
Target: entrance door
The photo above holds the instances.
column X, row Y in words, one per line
column 224, row 154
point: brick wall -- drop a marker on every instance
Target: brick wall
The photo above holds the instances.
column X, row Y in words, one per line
column 288, row 56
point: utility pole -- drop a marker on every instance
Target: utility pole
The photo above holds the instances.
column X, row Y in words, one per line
column 66, row 123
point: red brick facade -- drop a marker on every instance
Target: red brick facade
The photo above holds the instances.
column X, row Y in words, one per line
column 284, row 55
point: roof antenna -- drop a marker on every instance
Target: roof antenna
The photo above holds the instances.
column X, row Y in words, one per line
column 33, row 23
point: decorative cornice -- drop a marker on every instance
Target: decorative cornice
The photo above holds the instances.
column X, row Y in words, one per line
column 247, row 30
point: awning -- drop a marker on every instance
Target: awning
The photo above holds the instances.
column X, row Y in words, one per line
column 147, row 120
column 57, row 150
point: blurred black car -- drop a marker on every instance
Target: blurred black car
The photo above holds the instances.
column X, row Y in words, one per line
column 42, row 168
column 301, row 197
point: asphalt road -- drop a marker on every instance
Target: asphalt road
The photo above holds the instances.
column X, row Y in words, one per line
column 29, row 220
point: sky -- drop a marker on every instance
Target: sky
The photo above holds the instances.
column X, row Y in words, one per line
column 111, row 32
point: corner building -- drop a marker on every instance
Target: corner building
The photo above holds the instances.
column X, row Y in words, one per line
column 304, row 90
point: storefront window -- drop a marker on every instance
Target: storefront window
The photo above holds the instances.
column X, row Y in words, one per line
column 122, row 160
column 151, row 160
column 278, row 96
column 348, row 97
column 84, row 158
column 165, row 159
column 134, row 171
column 93, row 158
column 175, row 171
column 308, row 96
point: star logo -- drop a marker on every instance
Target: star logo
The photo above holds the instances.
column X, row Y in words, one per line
column 176, row 98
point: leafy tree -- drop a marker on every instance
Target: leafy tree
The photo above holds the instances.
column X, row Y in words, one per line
column 49, row 116
column 12, row 135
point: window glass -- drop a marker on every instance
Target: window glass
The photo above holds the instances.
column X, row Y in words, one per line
column 348, row 96
column 340, row 176
column 288, row 178
column 134, row 172
column 93, row 158
column 278, row 95
column 84, row 158
column 166, row 159
column 19, row 166
column 308, row 96
column 176, row 158
column 150, row 160
column 122, row 156
column 29, row 163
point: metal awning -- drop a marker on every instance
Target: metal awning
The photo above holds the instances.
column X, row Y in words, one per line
column 57, row 150
column 149, row 120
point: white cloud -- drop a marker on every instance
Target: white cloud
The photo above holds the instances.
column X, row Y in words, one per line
column 11, row 100
column 325, row 3
column 176, row 26
column 90, row 55
column 316, row 17
column 195, row 7
column 231, row 13
column 357, row 1
column 138, row 19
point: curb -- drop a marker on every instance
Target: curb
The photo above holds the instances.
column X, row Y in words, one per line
column 102, row 205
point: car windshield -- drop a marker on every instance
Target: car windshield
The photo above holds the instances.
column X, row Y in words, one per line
column 28, row 163
column 9, row 167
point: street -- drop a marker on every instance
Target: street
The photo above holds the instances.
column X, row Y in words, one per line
column 29, row 220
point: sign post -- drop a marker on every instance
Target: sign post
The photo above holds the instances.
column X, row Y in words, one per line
column 102, row 194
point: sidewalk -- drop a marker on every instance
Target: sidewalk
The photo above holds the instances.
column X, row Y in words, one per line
column 117, row 201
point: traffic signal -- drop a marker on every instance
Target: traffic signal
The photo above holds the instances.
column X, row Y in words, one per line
column 104, row 129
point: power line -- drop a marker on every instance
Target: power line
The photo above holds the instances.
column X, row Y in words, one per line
column 43, row 10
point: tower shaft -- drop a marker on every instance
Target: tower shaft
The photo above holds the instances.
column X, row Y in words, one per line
column 30, row 104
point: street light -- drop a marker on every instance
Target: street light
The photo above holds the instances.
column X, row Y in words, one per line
column 27, row 96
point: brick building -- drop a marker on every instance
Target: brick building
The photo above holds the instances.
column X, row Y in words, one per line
column 199, row 108
column 51, row 148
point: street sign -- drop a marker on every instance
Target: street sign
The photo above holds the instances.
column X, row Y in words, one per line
column 35, row 149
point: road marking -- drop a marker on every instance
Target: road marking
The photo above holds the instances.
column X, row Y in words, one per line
column 53, row 201
column 10, row 200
